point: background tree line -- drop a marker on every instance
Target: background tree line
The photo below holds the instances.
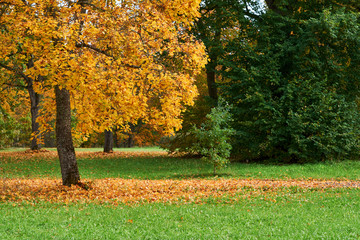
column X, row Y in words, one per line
column 289, row 68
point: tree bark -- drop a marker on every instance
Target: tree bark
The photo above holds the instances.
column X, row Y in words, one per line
column 109, row 141
column 69, row 169
column 130, row 141
column 116, row 141
column 35, row 101
column 211, row 68
column 211, row 82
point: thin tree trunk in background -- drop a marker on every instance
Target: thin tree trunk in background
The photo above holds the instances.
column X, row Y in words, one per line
column 35, row 101
column 115, row 137
column 211, row 69
column 109, row 141
column 274, row 6
column 210, row 76
column 130, row 141
column 69, row 169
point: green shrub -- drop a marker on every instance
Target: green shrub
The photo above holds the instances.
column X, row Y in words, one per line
column 184, row 139
column 212, row 138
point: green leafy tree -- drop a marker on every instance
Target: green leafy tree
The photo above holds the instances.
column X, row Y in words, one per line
column 212, row 139
column 220, row 21
column 294, row 92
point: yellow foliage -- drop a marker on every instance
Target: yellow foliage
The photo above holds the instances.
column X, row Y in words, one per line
column 121, row 61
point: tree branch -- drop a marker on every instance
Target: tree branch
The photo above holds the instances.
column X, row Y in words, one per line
column 15, row 85
column 98, row 50
column 17, row 72
column 86, row 2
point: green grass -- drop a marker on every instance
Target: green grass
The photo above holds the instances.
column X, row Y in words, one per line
column 177, row 168
column 332, row 214
column 290, row 213
column 12, row 149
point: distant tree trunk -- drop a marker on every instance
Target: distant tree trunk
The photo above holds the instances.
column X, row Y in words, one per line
column 211, row 82
column 133, row 129
column 211, row 69
column 69, row 169
column 130, row 141
column 115, row 137
column 35, row 101
column 109, row 141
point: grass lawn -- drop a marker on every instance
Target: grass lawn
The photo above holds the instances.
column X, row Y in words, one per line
column 333, row 214
column 163, row 167
column 288, row 214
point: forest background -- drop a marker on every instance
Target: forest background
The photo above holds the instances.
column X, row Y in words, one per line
column 288, row 69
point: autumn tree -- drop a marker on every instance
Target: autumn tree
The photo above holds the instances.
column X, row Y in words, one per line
column 103, row 61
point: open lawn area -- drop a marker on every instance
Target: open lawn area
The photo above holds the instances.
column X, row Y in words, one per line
column 146, row 194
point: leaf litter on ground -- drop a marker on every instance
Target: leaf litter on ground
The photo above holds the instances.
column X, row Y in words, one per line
column 118, row 190
column 167, row 191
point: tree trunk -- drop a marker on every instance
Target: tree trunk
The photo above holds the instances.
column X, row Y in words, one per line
column 116, row 141
column 35, row 101
column 69, row 169
column 210, row 76
column 109, row 141
column 130, row 141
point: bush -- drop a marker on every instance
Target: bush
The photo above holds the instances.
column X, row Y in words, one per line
column 184, row 139
column 212, row 138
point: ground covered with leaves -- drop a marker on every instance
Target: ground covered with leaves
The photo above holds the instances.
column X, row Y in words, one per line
column 150, row 195
column 118, row 190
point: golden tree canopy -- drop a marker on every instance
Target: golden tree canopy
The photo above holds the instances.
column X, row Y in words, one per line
column 120, row 60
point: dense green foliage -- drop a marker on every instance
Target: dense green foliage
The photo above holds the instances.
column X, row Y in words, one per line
column 206, row 135
column 290, row 71
column 294, row 86
column 215, row 29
